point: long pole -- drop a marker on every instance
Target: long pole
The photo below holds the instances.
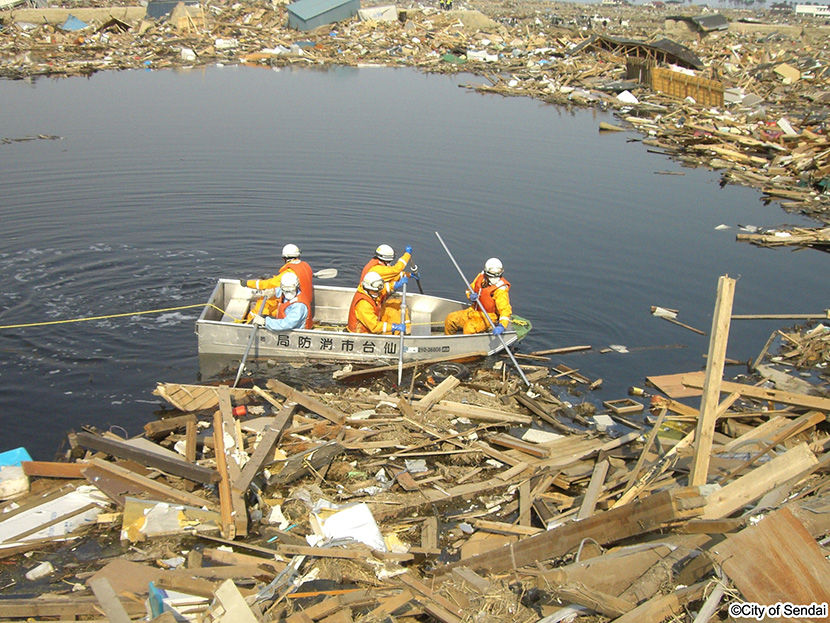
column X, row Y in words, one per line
column 403, row 322
column 483, row 311
column 250, row 343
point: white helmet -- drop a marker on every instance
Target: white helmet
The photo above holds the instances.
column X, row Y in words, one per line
column 385, row 253
column 290, row 252
column 289, row 284
column 493, row 268
column 372, row 282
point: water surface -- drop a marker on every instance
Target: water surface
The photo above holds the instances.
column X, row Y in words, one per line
column 164, row 181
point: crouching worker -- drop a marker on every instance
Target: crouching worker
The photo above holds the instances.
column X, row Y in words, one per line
column 492, row 290
column 365, row 310
column 292, row 307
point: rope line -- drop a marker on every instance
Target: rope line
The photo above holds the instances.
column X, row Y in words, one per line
column 149, row 311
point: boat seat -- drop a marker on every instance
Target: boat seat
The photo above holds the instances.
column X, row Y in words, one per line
column 420, row 322
column 237, row 309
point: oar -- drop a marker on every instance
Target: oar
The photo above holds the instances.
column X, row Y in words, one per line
column 483, row 311
column 250, row 342
column 326, row 273
column 403, row 322
column 413, row 270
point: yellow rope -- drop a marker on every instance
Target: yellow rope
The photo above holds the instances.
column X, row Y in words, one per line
column 149, row 311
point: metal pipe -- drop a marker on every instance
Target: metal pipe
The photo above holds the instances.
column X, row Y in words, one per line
column 483, row 311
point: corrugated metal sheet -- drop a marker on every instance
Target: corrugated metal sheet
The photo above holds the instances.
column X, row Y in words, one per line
column 310, row 14
column 157, row 9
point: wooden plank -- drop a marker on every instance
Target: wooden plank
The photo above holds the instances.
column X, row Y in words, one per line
column 122, row 450
column 750, row 487
column 225, row 497
column 664, row 606
column 638, row 517
column 482, row 414
column 499, row 527
column 161, row 428
column 589, row 502
column 436, row 393
column 771, row 395
column 265, row 447
column 508, row 441
column 26, row 607
column 411, row 364
column 425, row 592
column 388, row 605
column 236, row 609
column 110, row 604
column 776, row 561
column 151, row 485
column 672, row 384
column 561, row 351
column 712, row 382
column 312, row 404
column 51, row 469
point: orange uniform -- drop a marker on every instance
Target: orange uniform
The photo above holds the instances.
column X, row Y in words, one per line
column 390, row 273
column 364, row 314
column 494, row 298
column 304, row 274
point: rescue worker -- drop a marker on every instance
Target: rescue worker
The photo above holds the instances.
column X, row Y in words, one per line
column 491, row 289
column 292, row 310
column 392, row 273
column 292, row 263
column 365, row 310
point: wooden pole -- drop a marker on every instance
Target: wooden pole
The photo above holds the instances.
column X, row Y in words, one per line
column 712, row 381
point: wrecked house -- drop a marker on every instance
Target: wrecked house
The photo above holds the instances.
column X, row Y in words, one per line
column 310, row 14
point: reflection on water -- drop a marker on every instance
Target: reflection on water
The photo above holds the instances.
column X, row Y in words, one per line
column 166, row 181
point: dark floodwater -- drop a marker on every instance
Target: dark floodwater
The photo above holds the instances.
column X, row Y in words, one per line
column 164, row 181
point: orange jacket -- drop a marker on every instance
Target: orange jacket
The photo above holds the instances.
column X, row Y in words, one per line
column 299, row 268
column 494, row 298
column 389, row 274
column 364, row 314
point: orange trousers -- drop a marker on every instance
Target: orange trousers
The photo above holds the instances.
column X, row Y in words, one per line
column 467, row 320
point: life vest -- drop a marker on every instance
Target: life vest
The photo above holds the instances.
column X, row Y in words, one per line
column 485, row 294
column 354, row 326
column 305, row 275
column 372, row 263
column 284, row 303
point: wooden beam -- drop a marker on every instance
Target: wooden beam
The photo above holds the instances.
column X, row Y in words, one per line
column 265, row 447
column 635, row 518
column 312, row 404
column 225, row 498
column 770, row 395
column 589, row 502
column 50, row 469
column 436, row 393
column 160, row 462
column 110, row 604
column 151, row 485
column 712, row 382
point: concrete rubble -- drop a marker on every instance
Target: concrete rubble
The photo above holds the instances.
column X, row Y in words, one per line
column 767, row 72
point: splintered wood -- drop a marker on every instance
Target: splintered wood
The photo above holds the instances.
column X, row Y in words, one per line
column 446, row 503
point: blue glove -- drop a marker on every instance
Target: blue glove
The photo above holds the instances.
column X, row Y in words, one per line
column 473, row 297
column 400, row 282
column 399, row 327
column 408, row 249
column 498, row 330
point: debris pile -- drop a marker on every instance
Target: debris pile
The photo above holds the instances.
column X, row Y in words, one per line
column 466, row 497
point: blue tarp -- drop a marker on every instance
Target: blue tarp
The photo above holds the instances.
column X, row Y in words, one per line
column 73, row 23
column 14, row 457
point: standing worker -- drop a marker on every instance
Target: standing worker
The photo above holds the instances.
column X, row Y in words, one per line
column 393, row 275
column 292, row 309
column 365, row 310
column 292, row 263
column 492, row 290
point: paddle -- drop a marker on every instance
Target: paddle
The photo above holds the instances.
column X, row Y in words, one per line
column 326, row 273
column 413, row 270
column 483, row 311
column 403, row 322
column 250, row 342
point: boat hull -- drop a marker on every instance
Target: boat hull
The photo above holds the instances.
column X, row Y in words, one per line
column 220, row 333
